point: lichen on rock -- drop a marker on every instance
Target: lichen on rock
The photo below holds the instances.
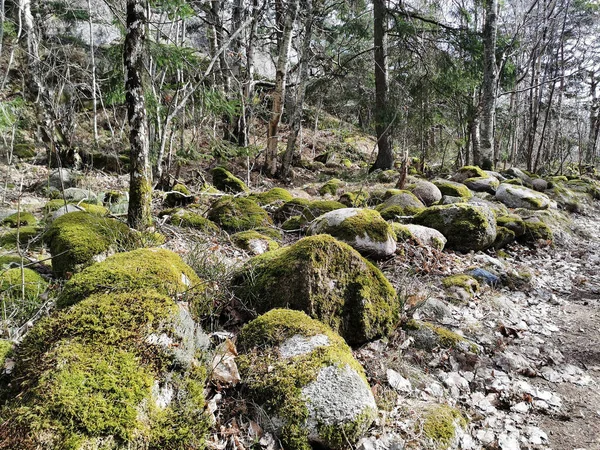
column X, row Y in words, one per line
column 328, row 280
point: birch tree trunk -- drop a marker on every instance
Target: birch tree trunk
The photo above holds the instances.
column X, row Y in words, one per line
column 284, row 47
column 490, row 75
column 385, row 156
column 140, row 185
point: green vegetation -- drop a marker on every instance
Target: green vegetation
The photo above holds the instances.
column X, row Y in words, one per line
column 331, row 187
column 225, row 181
column 453, row 189
column 20, row 219
column 191, row 219
column 238, row 214
column 244, row 239
column 272, row 196
column 440, row 423
column 467, row 282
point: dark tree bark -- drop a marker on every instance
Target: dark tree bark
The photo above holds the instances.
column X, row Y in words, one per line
column 385, row 155
column 140, row 184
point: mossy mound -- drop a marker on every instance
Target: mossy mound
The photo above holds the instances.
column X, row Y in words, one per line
column 254, row 242
column 513, row 222
column 145, row 268
column 238, row 214
column 22, row 236
column 428, row 336
column 363, row 229
column 535, row 231
column 179, row 196
column 521, row 197
column 24, row 151
column 466, row 282
column 453, row 189
column 331, row 187
column 14, row 283
column 5, row 349
column 401, row 203
column 114, row 371
column 299, row 371
column 191, row 219
column 440, row 423
column 467, row 172
column 225, row 181
column 8, row 261
column 482, row 184
column 504, row 236
column 78, row 239
column 586, row 185
column 56, row 204
column 467, row 227
column 271, row 196
column 304, row 211
column 419, row 235
column 387, row 176
column 355, row 199
column 20, row 219
column 328, row 280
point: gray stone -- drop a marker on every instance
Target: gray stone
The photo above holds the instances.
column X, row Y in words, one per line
column 299, row 345
column 80, row 195
column 60, row 178
column 480, row 184
column 64, row 210
column 539, row 184
column 426, row 236
column 521, row 197
column 425, row 191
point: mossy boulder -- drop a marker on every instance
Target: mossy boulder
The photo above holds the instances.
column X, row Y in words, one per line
column 536, row 231
column 331, row 187
column 387, row 176
column 354, row 199
column 466, row 227
column 5, row 350
column 9, row 261
column 424, row 190
column 440, row 423
column 14, row 283
column 79, row 195
column 238, row 214
column 79, row 239
column 521, row 197
column 58, row 208
column 363, row 229
column 420, row 235
column 180, row 195
column 328, row 280
column 513, row 222
column 585, row 185
column 465, row 282
column 26, row 235
column 115, row 371
column 429, row 337
column 453, row 189
column 146, row 268
column 271, row 196
column 517, row 174
column 504, row 236
column 20, row 219
column 225, row 181
column 191, row 219
column 304, row 210
column 467, row 172
column 482, row 184
column 254, row 242
column 402, row 203
column 303, row 375
column 24, row 151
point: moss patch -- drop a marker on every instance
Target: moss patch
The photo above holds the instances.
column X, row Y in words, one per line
column 331, row 187
column 328, row 280
column 244, row 239
column 440, row 423
column 20, row 219
column 76, row 238
column 305, row 211
column 536, row 231
column 238, row 214
column 467, row 282
column 272, row 196
column 5, row 349
column 191, row 219
column 225, row 181
column 13, row 282
column 355, row 199
column 56, row 204
column 179, row 196
column 22, row 236
column 453, row 189
column 148, row 268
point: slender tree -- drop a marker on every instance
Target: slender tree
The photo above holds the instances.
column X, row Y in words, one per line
column 140, row 185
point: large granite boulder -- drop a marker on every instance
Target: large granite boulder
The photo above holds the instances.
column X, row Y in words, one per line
column 522, row 197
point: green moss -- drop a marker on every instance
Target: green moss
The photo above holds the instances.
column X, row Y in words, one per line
column 472, row 172
column 467, row 282
column 453, row 189
column 14, row 282
column 243, row 240
column 401, row 232
column 179, row 196
column 56, row 204
column 356, row 199
column 387, row 176
column 272, row 196
column 362, row 306
column 8, row 261
column 537, row 231
column 294, row 223
column 23, row 235
column 225, row 181
column 440, row 423
column 24, row 151
column 272, row 232
column 276, row 383
column 148, row 268
column 331, row 187
column 76, row 238
column 514, row 181
column 305, row 211
column 504, row 236
column 86, row 375
column 5, row 349
column 190, row 219
column 20, row 219
column 366, row 222
column 238, row 214
column 441, row 336
column 513, row 222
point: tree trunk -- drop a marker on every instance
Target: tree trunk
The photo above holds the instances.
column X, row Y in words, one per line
column 488, row 107
column 140, row 185
column 296, row 122
column 284, row 46
column 385, row 155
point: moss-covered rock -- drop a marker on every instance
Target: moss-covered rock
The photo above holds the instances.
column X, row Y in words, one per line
column 5, row 350
column 328, row 280
column 114, row 371
column 271, row 196
column 363, row 229
column 402, row 203
column 304, row 376
column 225, row 181
column 20, row 219
column 513, row 222
column 24, row 151
column 305, row 210
column 57, row 204
column 428, row 336
column 585, row 185
column 482, row 184
column 535, row 231
column 331, row 187
column 145, row 268
column 419, row 235
column 79, row 239
column 466, row 227
column 467, row 172
column 521, row 197
column 466, row 282
column 14, row 283
column 424, row 190
column 453, row 189
column 387, row 176
column 238, row 214
column 440, row 423
column 179, row 196
column 191, row 219
column 22, row 236
column 354, row 199
column 504, row 236
column 254, row 242
column 9, row 261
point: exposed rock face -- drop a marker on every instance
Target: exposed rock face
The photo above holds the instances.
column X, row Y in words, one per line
column 539, row 184
column 304, row 376
column 328, row 280
column 521, row 197
column 467, row 227
column 363, row 229
column 513, row 172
